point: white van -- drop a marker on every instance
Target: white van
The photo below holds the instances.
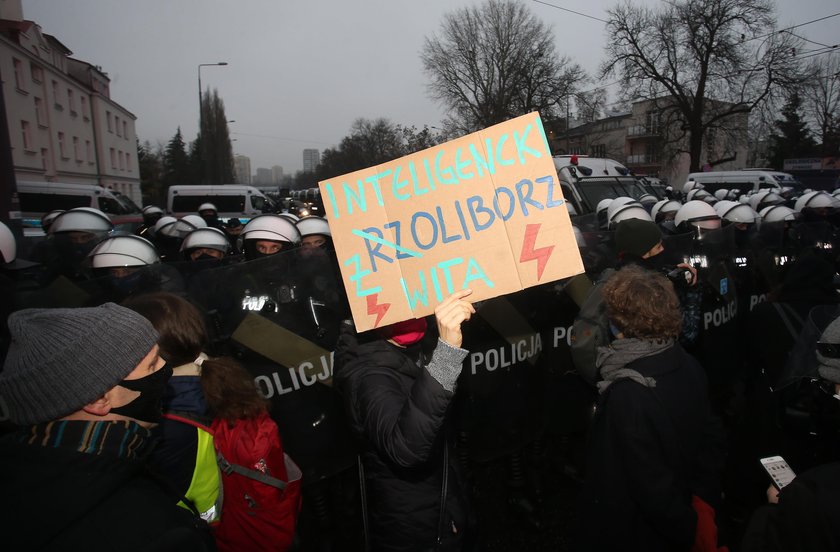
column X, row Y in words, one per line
column 745, row 181
column 231, row 200
column 39, row 198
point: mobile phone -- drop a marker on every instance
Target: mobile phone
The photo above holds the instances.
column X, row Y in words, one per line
column 780, row 473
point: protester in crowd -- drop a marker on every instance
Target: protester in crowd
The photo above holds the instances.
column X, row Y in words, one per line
column 652, row 452
column 804, row 515
column 397, row 402
column 232, row 228
column 85, row 385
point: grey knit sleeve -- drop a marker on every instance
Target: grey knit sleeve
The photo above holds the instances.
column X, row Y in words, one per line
column 446, row 362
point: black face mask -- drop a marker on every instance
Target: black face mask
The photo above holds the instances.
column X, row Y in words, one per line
column 146, row 407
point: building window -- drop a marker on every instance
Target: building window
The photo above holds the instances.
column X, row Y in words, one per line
column 20, row 79
column 122, row 161
column 117, row 124
column 40, row 112
column 83, row 101
column 37, row 73
column 113, row 158
column 128, row 162
column 27, row 135
column 46, row 162
column 89, row 150
column 599, row 150
column 77, row 150
column 71, row 101
column 57, row 95
column 125, row 130
column 110, row 121
column 62, row 151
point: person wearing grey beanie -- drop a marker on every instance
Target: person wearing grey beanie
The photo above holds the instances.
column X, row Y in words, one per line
column 85, row 386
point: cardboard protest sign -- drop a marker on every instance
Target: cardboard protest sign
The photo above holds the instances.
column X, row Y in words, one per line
column 484, row 211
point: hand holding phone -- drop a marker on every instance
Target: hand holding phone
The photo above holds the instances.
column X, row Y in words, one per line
column 779, row 471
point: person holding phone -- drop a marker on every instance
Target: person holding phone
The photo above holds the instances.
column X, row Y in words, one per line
column 804, row 515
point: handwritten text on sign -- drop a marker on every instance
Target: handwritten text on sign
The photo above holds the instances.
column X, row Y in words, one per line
column 484, row 211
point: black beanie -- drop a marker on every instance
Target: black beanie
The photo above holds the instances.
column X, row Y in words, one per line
column 636, row 236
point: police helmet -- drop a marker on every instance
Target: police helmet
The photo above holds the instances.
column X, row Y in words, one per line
column 48, row 218
column 271, row 227
column 210, row 238
column 81, row 219
column 836, row 193
column 663, row 208
column 737, row 213
column 207, row 207
column 308, row 226
column 691, row 185
column 290, row 216
column 629, row 211
column 617, row 204
column 8, row 246
column 163, row 221
column 722, row 206
column 183, row 226
column 697, row 193
column 816, row 200
column 721, row 194
column 151, row 210
column 698, row 213
column 647, row 200
column 123, row 250
column 764, row 198
column 777, row 213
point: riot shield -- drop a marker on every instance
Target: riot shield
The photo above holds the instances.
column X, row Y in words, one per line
column 280, row 317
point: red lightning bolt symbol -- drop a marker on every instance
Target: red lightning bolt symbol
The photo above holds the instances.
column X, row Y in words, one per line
column 541, row 254
column 375, row 308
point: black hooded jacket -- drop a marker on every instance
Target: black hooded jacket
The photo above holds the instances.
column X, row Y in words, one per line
column 398, row 410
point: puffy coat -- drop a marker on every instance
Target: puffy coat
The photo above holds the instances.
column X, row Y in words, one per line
column 398, row 410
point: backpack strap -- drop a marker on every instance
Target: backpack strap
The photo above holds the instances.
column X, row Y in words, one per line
column 190, row 418
column 228, row 468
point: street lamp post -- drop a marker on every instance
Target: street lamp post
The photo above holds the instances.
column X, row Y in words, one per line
column 201, row 111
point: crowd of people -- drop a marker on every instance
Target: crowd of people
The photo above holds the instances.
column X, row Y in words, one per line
column 139, row 366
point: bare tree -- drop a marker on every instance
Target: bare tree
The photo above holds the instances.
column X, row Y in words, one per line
column 495, row 61
column 821, row 96
column 704, row 63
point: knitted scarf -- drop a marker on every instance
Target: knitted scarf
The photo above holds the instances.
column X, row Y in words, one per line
column 612, row 360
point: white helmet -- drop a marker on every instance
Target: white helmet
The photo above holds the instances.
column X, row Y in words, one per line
column 124, row 250
column 271, row 227
column 648, row 199
column 777, row 213
column 698, row 213
column 81, row 219
column 48, row 218
column 697, row 193
column 691, row 185
column 151, row 210
column 813, row 200
column 603, row 204
column 836, row 193
column 664, row 207
column 164, row 221
column 722, row 206
column 313, row 225
column 618, row 203
column 290, row 216
column 721, row 194
column 207, row 207
column 183, row 226
column 8, row 245
column 764, row 198
column 737, row 212
column 629, row 211
column 211, row 238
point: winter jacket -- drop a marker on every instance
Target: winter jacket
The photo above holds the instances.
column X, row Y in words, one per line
column 57, row 498
column 398, row 410
column 650, row 449
column 806, row 519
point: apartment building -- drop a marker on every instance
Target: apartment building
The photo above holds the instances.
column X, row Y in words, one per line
column 63, row 124
column 643, row 141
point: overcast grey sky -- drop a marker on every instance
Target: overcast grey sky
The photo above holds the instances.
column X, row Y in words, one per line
column 299, row 71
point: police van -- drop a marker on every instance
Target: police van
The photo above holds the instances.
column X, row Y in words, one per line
column 39, row 198
column 585, row 181
column 231, row 200
column 745, row 181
